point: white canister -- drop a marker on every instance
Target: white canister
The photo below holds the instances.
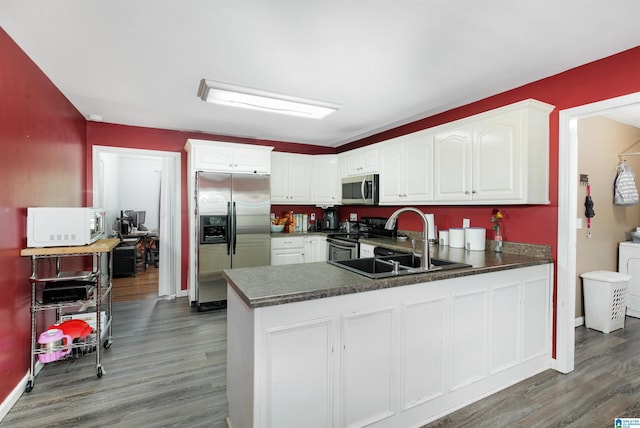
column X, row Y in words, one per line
column 456, row 238
column 444, row 238
column 474, row 238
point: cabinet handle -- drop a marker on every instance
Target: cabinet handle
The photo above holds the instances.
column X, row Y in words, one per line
column 466, row 192
column 473, row 191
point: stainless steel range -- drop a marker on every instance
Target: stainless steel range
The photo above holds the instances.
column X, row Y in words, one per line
column 344, row 246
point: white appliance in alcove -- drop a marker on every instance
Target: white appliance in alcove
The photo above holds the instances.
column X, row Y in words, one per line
column 629, row 263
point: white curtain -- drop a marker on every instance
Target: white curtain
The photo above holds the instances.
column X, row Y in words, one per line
column 169, row 278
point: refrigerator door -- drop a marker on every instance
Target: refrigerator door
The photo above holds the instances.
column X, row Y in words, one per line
column 213, row 198
column 251, row 221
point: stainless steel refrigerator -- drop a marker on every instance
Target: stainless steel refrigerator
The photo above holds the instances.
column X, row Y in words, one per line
column 233, row 227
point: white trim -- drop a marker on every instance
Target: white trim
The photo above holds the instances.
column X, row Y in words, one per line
column 13, row 397
column 579, row 321
column 175, row 238
column 567, row 215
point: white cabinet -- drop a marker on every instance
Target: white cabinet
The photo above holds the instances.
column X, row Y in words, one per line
column 406, row 169
column 315, row 248
column 229, row 157
column 366, row 250
column 287, row 250
column 291, row 178
column 393, row 357
column 501, row 156
column 325, row 184
column 361, row 161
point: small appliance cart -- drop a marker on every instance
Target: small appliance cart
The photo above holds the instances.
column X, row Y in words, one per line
column 99, row 294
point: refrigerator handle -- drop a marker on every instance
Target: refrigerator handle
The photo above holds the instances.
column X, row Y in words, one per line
column 229, row 232
column 235, row 228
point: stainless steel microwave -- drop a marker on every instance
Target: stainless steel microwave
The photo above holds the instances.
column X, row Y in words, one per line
column 361, row 190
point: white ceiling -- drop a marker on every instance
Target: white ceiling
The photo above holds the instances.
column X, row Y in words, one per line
column 387, row 62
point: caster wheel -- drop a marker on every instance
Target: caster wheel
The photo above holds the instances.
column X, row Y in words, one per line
column 107, row 344
column 99, row 373
column 29, row 386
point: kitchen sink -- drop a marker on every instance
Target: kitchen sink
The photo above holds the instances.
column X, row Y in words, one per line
column 383, row 267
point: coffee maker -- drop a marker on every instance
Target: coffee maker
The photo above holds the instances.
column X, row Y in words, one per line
column 330, row 219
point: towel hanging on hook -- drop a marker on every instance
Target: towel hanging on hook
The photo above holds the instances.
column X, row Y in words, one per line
column 625, row 192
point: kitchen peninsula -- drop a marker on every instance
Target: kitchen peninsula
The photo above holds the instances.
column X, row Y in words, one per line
column 316, row 345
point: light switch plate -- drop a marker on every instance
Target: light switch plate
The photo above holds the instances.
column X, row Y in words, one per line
column 353, row 216
column 578, row 223
column 466, row 223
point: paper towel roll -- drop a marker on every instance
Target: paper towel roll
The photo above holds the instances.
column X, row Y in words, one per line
column 474, row 238
column 456, row 238
column 444, row 238
column 431, row 235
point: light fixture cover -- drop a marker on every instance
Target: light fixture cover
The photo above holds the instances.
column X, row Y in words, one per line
column 255, row 99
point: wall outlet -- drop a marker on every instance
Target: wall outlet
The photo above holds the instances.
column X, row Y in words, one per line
column 353, row 216
column 466, row 223
column 313, row 216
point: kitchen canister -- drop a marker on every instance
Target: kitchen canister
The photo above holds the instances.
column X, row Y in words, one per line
column 444, row 238
column 456, row 238
column 474, row 238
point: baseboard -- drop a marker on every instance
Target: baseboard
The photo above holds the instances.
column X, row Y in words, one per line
column 579, row 321
column 228, row 422
column 13, row 397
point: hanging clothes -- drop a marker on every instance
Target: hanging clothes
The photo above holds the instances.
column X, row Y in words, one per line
column 625, row 191
column 588, row 210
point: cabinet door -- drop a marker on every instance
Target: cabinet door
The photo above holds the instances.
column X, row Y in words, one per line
column 213, row 158
column 393, row 175
column 452, row 165
column 315, row 249
column 497, row 170
column 279, row 177
column 252, row 161
column 417, row 169
column 289, row 256
column 368, row 377
column 325, row 180
column 362, row 162
column 300, row 178
column 366, row 250
column 299, row 373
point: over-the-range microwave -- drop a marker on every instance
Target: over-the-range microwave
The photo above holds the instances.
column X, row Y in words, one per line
column 64, row 226
column 361, row 190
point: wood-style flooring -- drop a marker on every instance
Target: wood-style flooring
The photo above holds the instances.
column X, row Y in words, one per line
column 167, row 364
column 142, row 286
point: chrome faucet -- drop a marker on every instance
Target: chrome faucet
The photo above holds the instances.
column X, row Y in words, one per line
column 425, row 260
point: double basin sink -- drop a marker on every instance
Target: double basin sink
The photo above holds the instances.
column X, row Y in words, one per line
column 399, row 264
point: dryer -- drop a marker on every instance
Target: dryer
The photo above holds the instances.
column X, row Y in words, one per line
column 629, row 263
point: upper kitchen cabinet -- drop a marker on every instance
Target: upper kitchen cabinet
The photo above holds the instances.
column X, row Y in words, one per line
column 229, row 157
column 501, row 156
column 325, row 184
column 361, row 161
column 406, row 169
column 290, row 178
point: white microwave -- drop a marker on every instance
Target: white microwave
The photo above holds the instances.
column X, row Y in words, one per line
column 361, row 190
column 64, row 226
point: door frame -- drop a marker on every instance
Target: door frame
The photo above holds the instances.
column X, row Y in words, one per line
column 171, row 275
column 567, row 222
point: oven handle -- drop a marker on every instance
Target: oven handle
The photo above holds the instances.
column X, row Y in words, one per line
column 346, row 246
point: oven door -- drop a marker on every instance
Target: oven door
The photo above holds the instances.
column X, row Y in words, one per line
column 338, row 249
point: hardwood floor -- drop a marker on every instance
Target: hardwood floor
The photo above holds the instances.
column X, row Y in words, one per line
column 142, row 286
column 167, row 368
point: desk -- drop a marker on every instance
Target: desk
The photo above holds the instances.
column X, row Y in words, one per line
column 148, row 244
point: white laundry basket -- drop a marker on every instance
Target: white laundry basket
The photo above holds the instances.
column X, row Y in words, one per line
column 605, row 299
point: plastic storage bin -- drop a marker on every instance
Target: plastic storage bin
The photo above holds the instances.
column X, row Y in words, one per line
column 605, row 299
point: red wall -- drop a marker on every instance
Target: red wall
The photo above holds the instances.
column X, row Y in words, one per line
column 42, row 162
column 105, row 134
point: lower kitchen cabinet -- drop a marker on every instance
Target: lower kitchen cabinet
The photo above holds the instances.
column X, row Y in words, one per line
column 394, row 357
column 287, row 250
column 315, row 248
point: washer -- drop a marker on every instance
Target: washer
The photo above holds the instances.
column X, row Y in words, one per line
column 629, row 263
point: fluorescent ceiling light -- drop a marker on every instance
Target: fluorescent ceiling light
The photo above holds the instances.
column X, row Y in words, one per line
column 236, row 96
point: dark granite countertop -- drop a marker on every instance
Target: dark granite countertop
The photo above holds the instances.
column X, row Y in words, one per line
column 276, row 285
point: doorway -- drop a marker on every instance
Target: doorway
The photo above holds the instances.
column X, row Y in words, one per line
column 106, row 161
column 567, row 222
